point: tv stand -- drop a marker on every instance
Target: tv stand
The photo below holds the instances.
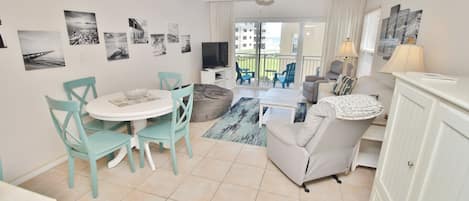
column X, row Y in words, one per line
column 220, row 76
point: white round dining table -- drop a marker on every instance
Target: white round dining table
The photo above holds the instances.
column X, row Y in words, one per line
column 102, row 108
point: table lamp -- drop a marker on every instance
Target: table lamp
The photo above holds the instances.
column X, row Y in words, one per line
column 405, row 58
column 348, row 51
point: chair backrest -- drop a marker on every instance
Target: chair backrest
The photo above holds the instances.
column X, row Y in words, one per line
column 182, row 107
column 169, row 80
column 335, row 134
column 238, row 70
column 77, row 141
column 290, row 72
column 337, row 66
column 71, row 88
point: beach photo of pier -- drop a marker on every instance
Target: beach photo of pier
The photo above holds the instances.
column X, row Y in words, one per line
column 41, row 49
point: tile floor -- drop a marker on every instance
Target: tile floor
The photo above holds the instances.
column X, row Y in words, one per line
column 218, row 171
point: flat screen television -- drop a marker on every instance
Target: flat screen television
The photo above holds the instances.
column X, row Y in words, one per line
column 215, row 54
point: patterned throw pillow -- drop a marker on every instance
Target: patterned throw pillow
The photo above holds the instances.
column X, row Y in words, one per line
column 344, row 85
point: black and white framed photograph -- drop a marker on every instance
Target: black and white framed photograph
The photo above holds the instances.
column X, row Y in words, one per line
column 81, row 27
column 401, row 25
column 173, row 33
column 382, row 36
column 3, row 43
column 138, row 31
column 413, row 25
column 185, row 43
column 41, row 49
column 117, row 47
column 158, row 44
column 392, row 21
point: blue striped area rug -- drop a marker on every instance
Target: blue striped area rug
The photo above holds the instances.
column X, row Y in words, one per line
column 241, row 123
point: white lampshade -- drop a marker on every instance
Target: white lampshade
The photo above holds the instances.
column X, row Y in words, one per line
column 347, row 49
column 405, row 58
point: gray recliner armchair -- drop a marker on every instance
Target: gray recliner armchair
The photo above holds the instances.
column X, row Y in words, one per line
column 311, row 83
column 321, row 146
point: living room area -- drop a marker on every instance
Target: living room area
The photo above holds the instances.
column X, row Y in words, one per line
column 223, row 100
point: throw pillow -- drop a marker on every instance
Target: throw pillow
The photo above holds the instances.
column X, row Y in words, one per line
column 344, row 85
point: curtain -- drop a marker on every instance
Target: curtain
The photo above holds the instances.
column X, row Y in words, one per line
column 345, row 19
column 221, row 25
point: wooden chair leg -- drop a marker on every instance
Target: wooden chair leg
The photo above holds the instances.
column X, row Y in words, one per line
column 173, row 158
column 188, row 144
column 142, row 152
column 131, row 157
column 71, row 171
column 161, row 147
column 94, row 177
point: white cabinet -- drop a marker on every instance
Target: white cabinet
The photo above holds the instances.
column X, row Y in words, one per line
column 223, row 77
column 425, row 153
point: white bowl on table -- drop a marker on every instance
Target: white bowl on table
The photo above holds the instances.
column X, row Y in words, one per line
column 136, row 94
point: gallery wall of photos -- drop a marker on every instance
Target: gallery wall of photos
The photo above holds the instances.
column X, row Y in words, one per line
column 43, row 49
column 401, row 27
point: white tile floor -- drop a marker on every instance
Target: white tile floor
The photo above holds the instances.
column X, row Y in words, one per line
column 218, row 171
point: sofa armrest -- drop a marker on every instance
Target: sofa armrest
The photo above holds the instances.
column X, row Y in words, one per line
column 313, row 78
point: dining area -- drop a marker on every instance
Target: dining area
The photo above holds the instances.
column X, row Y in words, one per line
column 113, row 126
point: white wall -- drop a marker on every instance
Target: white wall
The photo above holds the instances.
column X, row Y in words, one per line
column 28, row 139
column 443, row 33
column 283, row 9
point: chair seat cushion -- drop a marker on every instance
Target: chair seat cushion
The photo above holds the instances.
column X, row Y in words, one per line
column 105, row 141
column 159, row 130
column 99, row 125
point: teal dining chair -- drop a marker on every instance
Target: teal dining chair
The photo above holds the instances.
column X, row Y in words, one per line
column 89, row 85
column 80, row 145
column 170, row 80
column 169, row 131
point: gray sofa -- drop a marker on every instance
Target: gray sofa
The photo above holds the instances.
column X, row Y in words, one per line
column 310, row 85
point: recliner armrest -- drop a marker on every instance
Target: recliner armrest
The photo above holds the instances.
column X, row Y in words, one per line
column 297, row 134
column 283, row 132
column 313, row 78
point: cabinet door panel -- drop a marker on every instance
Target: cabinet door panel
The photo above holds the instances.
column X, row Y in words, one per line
column 447, row 177
column 410, row 116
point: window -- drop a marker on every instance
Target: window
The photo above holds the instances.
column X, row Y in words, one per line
column 245, row 30
column 370, row 31
column 371, row 24
column 244, row 45
column 244, row 37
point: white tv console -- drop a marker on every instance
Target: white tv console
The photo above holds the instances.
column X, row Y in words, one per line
column 220, row 76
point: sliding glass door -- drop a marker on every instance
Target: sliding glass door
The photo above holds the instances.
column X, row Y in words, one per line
column 263, row 51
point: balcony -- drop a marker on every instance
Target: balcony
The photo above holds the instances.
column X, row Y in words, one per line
column 272, row 63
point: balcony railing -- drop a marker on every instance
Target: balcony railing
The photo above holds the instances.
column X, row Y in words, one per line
column 271, row 63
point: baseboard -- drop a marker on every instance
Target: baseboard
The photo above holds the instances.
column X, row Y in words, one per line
column 38, row 171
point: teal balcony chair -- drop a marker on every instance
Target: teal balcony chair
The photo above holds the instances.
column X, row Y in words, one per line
column 287, row 76
column 243, row 74
column 80, row 145
column 89, row 86
column 170, row 81
column 169, row 131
